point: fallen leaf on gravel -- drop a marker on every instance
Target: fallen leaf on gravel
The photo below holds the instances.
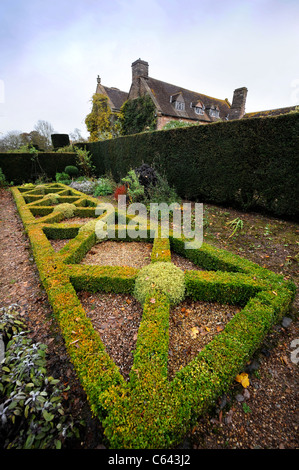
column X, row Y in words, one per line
column 243, row 379
column 285, row 360
column 194, row 332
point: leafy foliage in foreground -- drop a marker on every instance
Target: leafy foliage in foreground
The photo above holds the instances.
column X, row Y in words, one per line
column 31, row 410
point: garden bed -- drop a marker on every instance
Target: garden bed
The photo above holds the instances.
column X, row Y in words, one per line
column 18, row 286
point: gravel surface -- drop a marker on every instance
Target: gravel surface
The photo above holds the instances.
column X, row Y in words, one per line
column 263, row 415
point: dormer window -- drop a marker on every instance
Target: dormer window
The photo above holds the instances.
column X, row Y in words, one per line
column 198, row 110
column 178, row 100
column 199, row 107
column 214, row 111
column 179, row 105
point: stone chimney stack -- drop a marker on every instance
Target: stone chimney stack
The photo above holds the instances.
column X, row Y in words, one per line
column 237, row 109
column 139, row 69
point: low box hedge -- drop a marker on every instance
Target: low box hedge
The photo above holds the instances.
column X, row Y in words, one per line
column 150, row 411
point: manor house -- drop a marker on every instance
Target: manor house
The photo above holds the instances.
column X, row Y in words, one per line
column 176, row 103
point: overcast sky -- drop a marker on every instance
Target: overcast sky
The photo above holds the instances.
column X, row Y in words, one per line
column 52, row 52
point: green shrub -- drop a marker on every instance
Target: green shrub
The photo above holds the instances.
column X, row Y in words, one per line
column 65, row 149
column 162, row 192
column 2, row 178
column 71, row 171
column 103, row 188
column 177, row 124
column 63, row 178
column 84, row 161
column 138, row 115
column 135, row 190
column 68, row 210
column 31, row 410
column 163, row 276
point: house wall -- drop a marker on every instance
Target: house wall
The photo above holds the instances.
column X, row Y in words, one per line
column 162, row 120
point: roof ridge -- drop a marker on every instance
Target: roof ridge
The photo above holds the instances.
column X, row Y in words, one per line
column 270, row 110
column 190, row 91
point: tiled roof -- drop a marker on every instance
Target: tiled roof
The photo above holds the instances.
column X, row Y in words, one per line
column 116, row 96
column 270, row 112
column 163, row 92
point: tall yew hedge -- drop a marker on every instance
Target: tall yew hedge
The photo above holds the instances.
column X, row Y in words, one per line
column 26, row 167
column 251, row 164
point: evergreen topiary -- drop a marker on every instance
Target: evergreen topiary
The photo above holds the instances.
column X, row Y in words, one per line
column 163, row 276
column 67, row 209
column 71, row 170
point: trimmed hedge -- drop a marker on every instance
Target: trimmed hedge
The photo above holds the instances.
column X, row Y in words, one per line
column 24, row 167
column 149, row 411
column 248, row 164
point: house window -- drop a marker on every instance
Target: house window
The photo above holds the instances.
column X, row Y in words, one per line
column 214, row 112
column 180, row 106
column 198, row 110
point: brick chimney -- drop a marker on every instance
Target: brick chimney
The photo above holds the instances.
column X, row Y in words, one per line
column 139, row 69
column 237, row 109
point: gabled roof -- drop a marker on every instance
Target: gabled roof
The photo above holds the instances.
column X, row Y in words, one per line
column 270, row 112
column 162, row 92
column 116, row 97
